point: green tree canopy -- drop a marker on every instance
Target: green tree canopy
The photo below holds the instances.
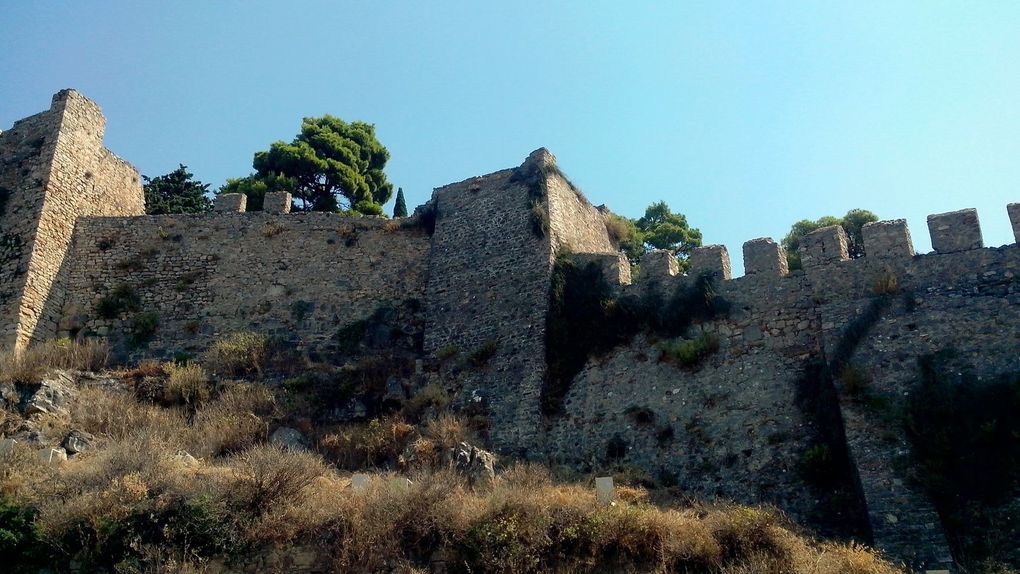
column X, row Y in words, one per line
column 175, row 192
column 659, row 228
column 400, row 206
column 852, row 223
column 663, row 229
column 333, row 165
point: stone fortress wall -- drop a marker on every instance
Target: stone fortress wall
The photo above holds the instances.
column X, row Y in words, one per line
column 301, row 277
column 735, row 431
column 478, row 261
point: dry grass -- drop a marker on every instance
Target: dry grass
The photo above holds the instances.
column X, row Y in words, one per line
column 432, row 398
column 269, row 497
column 357, row 446
column 186, row 384
column 243, row 353
column 447, row 431
column 237, row 419
column 135, row 504
column 31, row 365
column 267, row 475
column 117, row 415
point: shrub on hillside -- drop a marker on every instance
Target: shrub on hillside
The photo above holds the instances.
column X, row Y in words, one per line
column 243, row 353
column 186, row 384
column 267, row 475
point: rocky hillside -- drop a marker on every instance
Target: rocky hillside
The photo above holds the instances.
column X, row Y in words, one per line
column 166, row 467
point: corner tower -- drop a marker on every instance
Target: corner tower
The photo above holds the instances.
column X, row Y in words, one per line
column 490, row 270
column 53, row 170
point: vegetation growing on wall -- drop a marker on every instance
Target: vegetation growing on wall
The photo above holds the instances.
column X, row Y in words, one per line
column 122, row 299
column 587, row 319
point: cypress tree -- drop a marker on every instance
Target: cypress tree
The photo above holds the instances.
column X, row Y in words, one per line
column 399, row 207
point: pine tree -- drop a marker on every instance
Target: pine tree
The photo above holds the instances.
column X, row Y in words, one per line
column 399, row 206
column 175, row 192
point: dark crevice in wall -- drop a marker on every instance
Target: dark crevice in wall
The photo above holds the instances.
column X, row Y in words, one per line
column 826, row 464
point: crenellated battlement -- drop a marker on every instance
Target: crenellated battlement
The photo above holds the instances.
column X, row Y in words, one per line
column 885, row 243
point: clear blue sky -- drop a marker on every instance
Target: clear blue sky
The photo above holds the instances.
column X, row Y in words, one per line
column 745, row 116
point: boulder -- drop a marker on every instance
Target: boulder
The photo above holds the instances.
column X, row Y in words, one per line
column 479, row 466
column 7, row 445
column 53, row 455
column 9, row 394
column 354, row 410
column 288, row 438
column 186, row 458
column 53, row 395
column 394, row 390
column 77, row 442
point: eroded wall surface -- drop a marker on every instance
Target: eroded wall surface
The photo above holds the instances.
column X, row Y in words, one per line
column 301, row 277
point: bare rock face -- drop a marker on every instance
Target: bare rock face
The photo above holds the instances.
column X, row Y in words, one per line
column 53, row 395
column 477, row 464
column 77, row 442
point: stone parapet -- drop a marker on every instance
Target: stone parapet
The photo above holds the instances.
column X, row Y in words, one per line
column 887, row 239
column 615, row 267
column 955, row 231
column 1013, row 210
column 823, row 246
column 276, row 202
column 231, row 202
column 714, row 259
column 765, row 257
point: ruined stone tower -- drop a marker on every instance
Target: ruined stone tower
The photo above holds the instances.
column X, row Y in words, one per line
column 53, row 170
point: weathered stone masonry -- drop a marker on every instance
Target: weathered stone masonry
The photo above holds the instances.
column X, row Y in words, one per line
column 54, row 169
column 72, row 232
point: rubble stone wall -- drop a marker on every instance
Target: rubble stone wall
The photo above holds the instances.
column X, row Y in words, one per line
column 301, row 277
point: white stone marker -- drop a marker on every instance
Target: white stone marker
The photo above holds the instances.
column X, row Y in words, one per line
column 359, row 482
column 7, row 445
column 53, row 455
column 401, row 483
column 604, row 490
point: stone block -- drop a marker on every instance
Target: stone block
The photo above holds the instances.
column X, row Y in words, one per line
column 1013, row 210
column 658, row 265
column 360, row 482
column 615, row 267
column 955, row 231
column 605, row 492
column 277, row 202
column 710, row 258
column 7, row 445
column 232, row 202
column 887, row 239
column 823, row 246
column 400, row 483
column 765, row 257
